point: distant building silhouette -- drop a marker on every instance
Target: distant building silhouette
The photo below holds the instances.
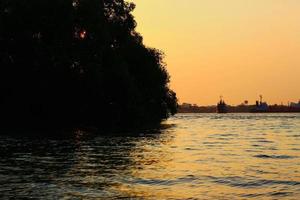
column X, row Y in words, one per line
column 295, row 105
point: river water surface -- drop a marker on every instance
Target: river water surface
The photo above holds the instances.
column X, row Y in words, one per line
column 193, row 156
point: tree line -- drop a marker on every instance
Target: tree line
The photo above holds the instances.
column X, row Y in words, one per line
column 78, row 63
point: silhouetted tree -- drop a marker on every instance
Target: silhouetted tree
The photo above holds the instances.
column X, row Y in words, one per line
column 72, row 63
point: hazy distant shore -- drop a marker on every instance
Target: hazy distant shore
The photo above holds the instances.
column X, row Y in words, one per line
column 235, row 109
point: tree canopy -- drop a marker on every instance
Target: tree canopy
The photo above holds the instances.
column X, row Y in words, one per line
column 78, row 63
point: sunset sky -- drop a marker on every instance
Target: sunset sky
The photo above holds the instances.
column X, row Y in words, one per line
column 235, row 48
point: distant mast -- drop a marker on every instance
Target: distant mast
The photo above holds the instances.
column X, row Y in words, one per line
column 261, row 98
column 221, row 106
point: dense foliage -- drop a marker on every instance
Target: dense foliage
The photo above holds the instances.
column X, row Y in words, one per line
column 78, row 63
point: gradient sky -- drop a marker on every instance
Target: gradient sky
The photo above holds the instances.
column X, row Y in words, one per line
column 235, row 48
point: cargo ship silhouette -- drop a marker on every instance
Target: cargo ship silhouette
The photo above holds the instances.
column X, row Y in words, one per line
column 260, row 106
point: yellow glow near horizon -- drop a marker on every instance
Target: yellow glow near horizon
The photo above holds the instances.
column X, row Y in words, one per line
column 235, row 48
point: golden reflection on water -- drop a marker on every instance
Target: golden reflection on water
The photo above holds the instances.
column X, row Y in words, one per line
column 218, row 157
column 196, row 156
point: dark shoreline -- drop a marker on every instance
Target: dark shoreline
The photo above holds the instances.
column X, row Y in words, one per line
column 238, row 109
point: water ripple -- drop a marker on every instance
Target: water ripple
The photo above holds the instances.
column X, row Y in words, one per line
column 192, row 156
column 237, row 181
column 274, row 156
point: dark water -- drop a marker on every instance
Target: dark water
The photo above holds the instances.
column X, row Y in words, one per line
column 195, row 156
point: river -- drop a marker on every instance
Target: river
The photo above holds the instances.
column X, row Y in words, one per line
column 192, row 156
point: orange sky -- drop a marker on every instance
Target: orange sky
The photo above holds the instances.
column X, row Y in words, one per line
column 235, row 48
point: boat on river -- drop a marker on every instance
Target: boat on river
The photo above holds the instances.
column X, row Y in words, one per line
column 260, row 106
column 221, row 106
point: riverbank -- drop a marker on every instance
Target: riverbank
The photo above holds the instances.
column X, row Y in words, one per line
column 236, row 109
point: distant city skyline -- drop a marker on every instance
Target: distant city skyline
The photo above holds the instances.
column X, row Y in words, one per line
column 238, row 49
